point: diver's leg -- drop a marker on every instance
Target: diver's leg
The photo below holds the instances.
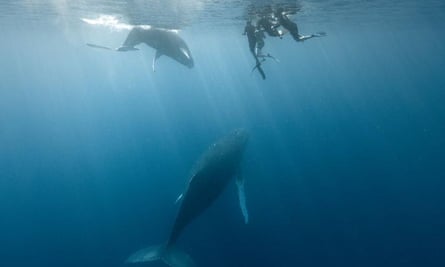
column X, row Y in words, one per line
column 252, row 46
column 259, row 47
column 293, row 30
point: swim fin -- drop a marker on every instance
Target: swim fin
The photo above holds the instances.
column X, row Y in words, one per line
column 258, row 66
column 260, row 70
column 242, row 197
column 319, row 34
column 269, row 56
column 157, row 55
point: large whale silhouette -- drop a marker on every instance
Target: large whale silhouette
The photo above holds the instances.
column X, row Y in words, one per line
column 210, row 176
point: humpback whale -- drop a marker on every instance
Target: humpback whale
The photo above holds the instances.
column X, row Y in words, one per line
column 210, row 176
column 165, row 42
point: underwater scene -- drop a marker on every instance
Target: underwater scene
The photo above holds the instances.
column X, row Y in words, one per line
column 237, row 133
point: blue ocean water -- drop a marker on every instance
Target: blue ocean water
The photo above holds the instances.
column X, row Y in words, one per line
column 345, row 162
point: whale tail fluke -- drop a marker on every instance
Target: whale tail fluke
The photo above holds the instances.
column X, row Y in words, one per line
column 170, row 255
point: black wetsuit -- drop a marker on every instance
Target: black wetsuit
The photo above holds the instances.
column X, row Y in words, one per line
column 259, row 35
column 288, row 25
column 269, row 27
column 249, row 30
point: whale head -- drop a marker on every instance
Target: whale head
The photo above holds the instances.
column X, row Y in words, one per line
column 238, row 139
column 241, row 134
column 185, row 57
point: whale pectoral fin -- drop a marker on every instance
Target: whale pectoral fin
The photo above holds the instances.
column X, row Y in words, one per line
column 179, row 198
column 126, row 48
column 98, row 46
column 157, row 55
column 242, row 197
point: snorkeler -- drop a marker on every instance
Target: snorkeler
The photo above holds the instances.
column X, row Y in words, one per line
column 249, row 30
column 260, row 36
column 270, row 24
column 292, row 27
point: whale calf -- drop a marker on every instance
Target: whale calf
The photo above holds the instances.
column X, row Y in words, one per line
column 165, row 42
column 210, row 176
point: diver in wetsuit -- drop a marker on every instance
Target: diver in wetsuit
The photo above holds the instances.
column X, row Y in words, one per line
column 249, row 30
column 270, row 25
column 260, row 36
column 292, row 27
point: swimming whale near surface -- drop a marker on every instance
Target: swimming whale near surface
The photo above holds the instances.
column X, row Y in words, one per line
column 165, row 42
column 210, row 176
